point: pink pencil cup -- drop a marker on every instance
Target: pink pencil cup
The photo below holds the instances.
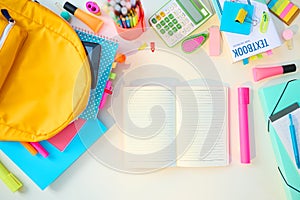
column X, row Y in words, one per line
column 135, row 32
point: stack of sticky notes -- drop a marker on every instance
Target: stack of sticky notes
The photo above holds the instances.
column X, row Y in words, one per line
column 284, row 10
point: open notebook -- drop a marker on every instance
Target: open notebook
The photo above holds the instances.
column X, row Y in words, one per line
column 184, row 126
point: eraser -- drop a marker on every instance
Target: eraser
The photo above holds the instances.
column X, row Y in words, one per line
column 214, row 41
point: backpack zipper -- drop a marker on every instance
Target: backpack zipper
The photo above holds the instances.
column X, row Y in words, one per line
column 9, row 26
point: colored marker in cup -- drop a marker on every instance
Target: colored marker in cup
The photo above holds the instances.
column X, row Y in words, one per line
column 194, row 42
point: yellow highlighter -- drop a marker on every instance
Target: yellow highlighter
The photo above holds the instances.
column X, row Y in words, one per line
column 9, row 179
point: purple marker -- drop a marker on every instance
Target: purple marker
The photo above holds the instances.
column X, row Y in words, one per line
column 244, row 100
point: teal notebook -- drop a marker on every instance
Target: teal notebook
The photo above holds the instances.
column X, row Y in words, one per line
column 275, row 99
column 108, row 51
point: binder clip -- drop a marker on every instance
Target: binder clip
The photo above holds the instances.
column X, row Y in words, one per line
column 241, row 16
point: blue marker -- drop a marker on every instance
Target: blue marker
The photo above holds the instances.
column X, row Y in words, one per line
column 294, row 141
column 127, row 22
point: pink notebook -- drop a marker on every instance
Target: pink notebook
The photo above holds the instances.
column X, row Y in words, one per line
column 63, row 139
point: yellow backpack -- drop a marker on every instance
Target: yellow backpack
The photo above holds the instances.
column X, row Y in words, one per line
column 45, row 76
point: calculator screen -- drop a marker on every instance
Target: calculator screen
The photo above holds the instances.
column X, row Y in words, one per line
column 193, row 9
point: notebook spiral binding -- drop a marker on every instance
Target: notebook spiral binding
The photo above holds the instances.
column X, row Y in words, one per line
column 90, row 33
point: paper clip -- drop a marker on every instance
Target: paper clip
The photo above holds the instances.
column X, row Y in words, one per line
column 9, row 179
column 241, row 16
column 264, row 22
column 92, row 7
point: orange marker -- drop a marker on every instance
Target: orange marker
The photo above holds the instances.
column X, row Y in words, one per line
column 93, row 22
column 29, row 148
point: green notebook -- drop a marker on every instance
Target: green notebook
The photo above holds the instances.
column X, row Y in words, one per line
column 274, row 99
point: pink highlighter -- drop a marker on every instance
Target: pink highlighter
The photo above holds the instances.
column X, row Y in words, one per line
column 260, row 73
column 244, row 100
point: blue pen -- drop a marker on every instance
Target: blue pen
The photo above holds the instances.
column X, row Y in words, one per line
column 294, row 141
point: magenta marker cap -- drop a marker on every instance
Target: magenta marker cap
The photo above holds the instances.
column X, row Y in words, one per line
column 243, row 93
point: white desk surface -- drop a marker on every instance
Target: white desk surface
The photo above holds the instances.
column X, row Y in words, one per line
column 89, row 179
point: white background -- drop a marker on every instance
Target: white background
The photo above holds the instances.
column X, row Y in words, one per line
column 89, row 179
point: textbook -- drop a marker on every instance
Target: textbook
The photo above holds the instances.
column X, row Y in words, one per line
column 262, row 38
column 186, row 127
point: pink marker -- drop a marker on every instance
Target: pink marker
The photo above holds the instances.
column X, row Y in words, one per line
column 40, row 149
column 260, row 73
column 107, row 91
column 244, row 100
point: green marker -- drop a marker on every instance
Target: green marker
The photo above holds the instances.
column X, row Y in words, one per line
column 9, row 179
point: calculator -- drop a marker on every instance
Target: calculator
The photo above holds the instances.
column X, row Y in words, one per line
column 178, row 18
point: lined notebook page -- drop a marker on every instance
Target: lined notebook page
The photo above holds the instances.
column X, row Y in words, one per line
column 149, row 126
column 203, row 142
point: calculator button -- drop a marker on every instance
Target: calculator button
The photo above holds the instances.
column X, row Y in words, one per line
column 162, row 23
column 167, row 28
column 179, row 35
column 170, row 33
column 170, row 24
column 174, row 29
column 175, row 21
column 167, row 19
column 177, row 12
column 186, row 21
column 158, row 17
column 162, row 14
column 158, row 26
column 178, row 26
column 153, row 20
column 171, row 16
column 162, row 31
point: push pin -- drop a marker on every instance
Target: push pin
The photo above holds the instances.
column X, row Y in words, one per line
column 288, row 37
column 152, row 46
column 241, row 16
column 92, row 7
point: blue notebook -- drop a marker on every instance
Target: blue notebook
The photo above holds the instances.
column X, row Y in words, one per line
column 274, row 99
column 57, row 162
column 108, row 51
